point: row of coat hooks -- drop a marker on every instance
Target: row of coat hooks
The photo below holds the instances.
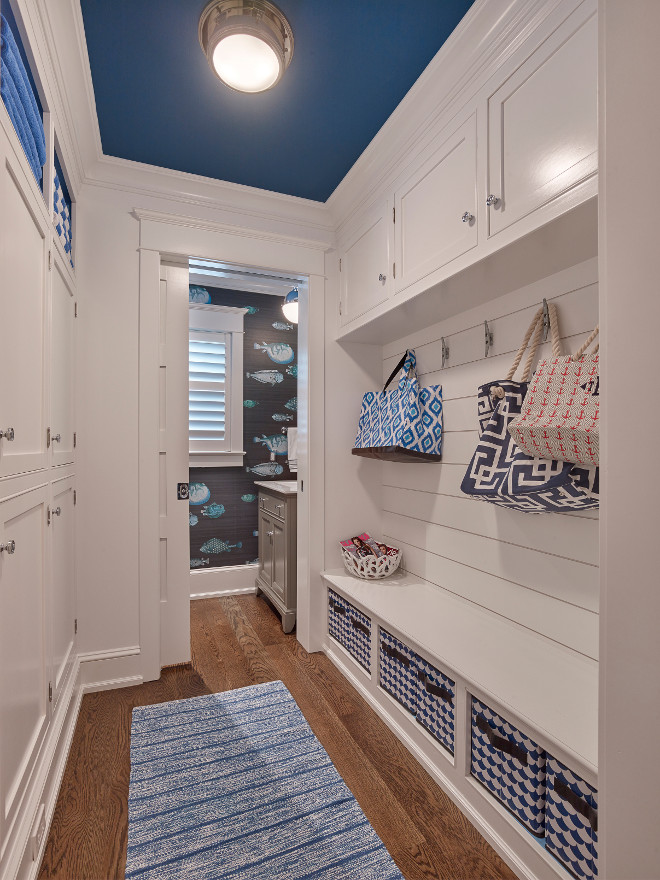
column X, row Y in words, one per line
column 488, row 335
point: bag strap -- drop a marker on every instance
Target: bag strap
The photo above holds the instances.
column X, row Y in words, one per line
column 398, row 367
column 579, row 354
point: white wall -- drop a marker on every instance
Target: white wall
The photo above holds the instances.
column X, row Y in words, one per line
column 540, row 571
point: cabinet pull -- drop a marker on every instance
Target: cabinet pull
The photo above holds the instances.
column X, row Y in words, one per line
column 435, row 689
column 579, row 804
column 9, row 547
column 396, row 655
column 336, row 607
column 57, row 511
column 8, row 434
column 492, row 200
column 467, row 217
column 382, row 277
column 56, row 438
column 501, row 743
column 360, row 626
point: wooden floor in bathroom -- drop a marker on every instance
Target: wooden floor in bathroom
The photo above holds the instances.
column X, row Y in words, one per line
column 238, row 641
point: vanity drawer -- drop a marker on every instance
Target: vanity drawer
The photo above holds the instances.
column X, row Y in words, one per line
column 273, row 505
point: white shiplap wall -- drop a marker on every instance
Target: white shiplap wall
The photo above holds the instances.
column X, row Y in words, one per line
column 540, row 571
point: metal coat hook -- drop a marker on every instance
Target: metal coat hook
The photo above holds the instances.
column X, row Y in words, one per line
column 546, row 320
column 445, row 350
column 489, row 337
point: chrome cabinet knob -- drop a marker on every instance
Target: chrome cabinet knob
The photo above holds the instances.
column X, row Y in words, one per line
column 57, row 511
column 56, row 438
column 382, row 277
column 467, row 217
column 9, row 547
column 8, row 434
column 492, row 200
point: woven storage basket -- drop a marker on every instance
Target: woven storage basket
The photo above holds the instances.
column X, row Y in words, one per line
column 370, row 567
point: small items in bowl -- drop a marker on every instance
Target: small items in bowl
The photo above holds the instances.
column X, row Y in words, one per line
column 370, row 559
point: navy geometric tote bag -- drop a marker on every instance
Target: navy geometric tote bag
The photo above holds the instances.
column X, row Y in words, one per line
column 500, row 471
column 404, row 424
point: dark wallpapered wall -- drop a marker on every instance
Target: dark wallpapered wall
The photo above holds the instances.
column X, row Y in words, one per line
column 224, row 521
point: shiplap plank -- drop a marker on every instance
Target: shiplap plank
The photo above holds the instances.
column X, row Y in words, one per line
column 574, row 627
column 559, row 536
column 565, row 579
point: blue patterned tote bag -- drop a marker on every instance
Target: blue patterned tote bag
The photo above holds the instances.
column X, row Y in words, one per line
column 500, row 471
column 403, row 424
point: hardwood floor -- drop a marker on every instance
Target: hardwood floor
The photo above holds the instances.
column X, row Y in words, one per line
column 238, row 641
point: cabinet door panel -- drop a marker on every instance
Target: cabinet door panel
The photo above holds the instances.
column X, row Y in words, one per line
column 63, row 610
column 279, row 559
column 23, row 662
column 365, row 267
column 22, row 279
column 430, row 230
column 542, row 124
column 62, row 370
column 265, row 548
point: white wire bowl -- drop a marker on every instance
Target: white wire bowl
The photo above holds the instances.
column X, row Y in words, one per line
column 370, row 567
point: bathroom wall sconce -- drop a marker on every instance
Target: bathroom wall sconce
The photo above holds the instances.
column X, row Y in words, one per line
column 248, row 43
column 290, row 305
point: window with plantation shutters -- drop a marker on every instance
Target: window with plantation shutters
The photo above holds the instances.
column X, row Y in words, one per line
column 215, row 359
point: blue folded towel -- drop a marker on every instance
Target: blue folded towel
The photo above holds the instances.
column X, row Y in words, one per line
column 16, row 112
column 14, row 63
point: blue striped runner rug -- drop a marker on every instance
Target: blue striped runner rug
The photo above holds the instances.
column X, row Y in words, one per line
column 236, row 785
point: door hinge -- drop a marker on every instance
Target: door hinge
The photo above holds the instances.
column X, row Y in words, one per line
column 75, row 310
column 393, row 270
column 75, row 439
column 75, row 627
column 75, row 497
column 47, row 438
column 50, row 260
column 50, row 692
column 393, row 215
column 48, row 515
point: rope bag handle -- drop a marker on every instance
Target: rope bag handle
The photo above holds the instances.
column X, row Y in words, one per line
column 579, row 354
column 534, row 332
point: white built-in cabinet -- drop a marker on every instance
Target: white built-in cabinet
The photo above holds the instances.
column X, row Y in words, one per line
column 38, row 618
column 520, row 154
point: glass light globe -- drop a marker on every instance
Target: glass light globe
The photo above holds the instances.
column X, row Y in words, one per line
column 291, row 311
column 246, row 63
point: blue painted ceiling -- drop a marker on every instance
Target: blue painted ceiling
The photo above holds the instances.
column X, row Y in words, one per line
column 354, row 60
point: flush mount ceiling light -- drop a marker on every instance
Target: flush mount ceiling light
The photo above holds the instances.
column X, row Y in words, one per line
column 248, row 43
column 290, row 305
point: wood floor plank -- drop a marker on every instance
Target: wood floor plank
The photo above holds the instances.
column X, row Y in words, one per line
column 238, row 641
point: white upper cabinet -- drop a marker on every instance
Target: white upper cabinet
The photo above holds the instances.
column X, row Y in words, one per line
column 62, row 372
column 436, row 208
column 542, row 124
column 366, row 265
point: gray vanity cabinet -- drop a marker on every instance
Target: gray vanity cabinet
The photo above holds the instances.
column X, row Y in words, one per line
column 277, row 553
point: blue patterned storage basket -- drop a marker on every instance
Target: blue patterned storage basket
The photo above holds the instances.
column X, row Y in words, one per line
column 351, row 628
column 571, row 830
column 62, row 218
column 510, row 765
column 435, row 703
column 398, row 671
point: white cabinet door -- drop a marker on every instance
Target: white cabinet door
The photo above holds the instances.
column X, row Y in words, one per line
column 62, row 368
column 366, row 267
column 436, row 209
column 542, row 124
column 23, row 661
column 23, row 256
column 63, row 592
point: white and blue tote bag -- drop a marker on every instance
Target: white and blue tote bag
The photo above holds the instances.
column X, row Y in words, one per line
column 504, row 474
column 404, row 424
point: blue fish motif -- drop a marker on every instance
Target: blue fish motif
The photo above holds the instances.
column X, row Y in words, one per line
column 282, row 417
column 198, row 294
column 213, row 510
column 279, row 325
column 276, row 443
column 193, row 520
column 279, row 352
column 267, row 469
column 215, row 545
column 293, row 370
column 198, row 563
column 250, row 404
column 248, row 498
column 198, row 493
column 251, row 310
column 266, row 377
column 292, row 404
column 255, row 533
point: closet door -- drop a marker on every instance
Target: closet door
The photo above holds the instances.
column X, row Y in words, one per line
column 23, row 662
column 23, row 269
column 63, row 590
column 62, row 368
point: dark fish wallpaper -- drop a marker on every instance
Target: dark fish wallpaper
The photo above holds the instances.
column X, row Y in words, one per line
column 223, row 501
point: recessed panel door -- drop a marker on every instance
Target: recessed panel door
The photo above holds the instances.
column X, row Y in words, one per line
column 62, row 369
column 23, row 662
column 436, row 209
column 366, row 267
column 278, row 544
column 542, row 124
column 265, row 548
column 63, row 593
column 23, row 256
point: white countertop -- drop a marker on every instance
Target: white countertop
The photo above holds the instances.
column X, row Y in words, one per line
column 284, row 487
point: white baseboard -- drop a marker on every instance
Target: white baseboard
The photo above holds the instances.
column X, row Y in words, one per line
column 230, row 581
column 112, row 683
